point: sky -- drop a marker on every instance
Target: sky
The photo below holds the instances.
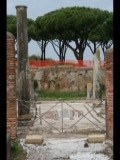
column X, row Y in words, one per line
column 37, row 8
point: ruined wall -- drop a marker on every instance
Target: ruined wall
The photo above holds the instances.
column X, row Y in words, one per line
column 108, row 57
column 11, row 88
column 64, row 78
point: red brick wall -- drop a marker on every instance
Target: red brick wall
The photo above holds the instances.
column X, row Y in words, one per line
column 11, row 88
column 109, row 89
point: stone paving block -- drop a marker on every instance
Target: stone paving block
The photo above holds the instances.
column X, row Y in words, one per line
column 34, row 139
column 96, row 138
column 26, row 117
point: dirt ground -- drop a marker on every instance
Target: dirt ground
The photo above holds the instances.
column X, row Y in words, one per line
column 68, row 148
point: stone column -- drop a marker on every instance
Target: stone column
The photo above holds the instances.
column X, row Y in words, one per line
column 22, row 51
column 96, row 75
column 89, row 90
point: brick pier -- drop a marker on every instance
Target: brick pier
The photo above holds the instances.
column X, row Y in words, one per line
column 11, row 88
column 108, row 57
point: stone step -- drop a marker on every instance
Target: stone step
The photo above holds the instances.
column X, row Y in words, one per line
column 34, row 139
column 96, row 138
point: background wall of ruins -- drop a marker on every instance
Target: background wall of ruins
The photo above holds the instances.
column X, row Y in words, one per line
column 64, row 78
column 108, row 57
column 11, row 88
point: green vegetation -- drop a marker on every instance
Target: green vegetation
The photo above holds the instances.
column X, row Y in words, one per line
column 103, row 87
column 35, row 84
column 17, row 152
column 12, row 26
column 103, row 94
column 64, row 95
column 34, row 57
column 82, row 25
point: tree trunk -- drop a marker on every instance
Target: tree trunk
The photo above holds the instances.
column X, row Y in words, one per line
column 79, row 56
column 80, row 60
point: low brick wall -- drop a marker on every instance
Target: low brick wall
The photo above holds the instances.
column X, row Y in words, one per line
column 11, row 88
column 109, row 89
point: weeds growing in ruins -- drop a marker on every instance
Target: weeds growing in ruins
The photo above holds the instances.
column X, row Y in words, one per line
column 17, row 152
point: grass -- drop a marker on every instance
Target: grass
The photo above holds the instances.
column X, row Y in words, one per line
column 64, row 95
column 103, row 94
column 17, row 152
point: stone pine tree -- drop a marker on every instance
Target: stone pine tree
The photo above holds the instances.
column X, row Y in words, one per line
column 22, row 51
column 71, row 24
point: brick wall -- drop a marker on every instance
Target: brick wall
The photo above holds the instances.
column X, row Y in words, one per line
column 109, row 89
column 11, row 88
